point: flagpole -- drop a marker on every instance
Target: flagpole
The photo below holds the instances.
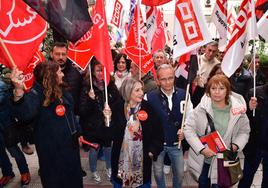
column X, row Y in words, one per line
column 106, row 95
column 90, row 77
column 184, row 111
column 7, row 52
column 254, row 73
column 139, row 38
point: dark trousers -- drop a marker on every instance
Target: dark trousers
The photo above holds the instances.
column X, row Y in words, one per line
column 204, row 181
column 250, row 169
column 14, row 152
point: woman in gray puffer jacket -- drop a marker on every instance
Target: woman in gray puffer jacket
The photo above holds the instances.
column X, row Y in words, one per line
column 227, row 110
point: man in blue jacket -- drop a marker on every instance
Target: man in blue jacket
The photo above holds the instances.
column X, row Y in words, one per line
column 167, row 101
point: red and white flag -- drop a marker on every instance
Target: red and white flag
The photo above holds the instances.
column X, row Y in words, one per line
column 22, row 31
column 136, row 45
column 117, row 19
column 150, row 24
column 100, row 44
column 80, row 53
column 28, row 72
column 219, row 18
column 159, row 38
column 263, row 26
column 181, row 69
column 232, row 16
column 190, row 28
column 117, row 15
column 242, row 33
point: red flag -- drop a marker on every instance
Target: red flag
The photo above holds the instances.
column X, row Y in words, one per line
column 154, row 2
column 138, row 50
column 80, row 53
column 159, row 38
column 28, row 72
column 100, row 44
column 22, row 31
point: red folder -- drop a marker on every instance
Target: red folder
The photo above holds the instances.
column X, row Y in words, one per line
column 214, row 141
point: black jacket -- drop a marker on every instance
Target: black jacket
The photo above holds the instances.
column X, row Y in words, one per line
column 241, row 84
column 73, row 79
column 258, row 124
column 56, row 145
column 91, row 111
column 153, row 138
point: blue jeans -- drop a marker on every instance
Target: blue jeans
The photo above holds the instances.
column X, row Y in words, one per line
column 16, row 153
column 117, row 185
column 93, row 157
column 204, row 181
column 251, row 168
column 176, row 158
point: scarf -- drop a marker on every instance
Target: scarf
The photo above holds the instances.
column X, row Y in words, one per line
column 121, row 74
column 130, row 166
column 99, row 84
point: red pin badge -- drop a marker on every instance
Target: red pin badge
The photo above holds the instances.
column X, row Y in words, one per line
column 60, row 110
column 142, row 115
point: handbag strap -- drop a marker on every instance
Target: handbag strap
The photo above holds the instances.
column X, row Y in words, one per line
column 210, row 122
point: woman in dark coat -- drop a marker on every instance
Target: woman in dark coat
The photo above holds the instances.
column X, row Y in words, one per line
column 55, row 129
column 137, row 137
column 91, row 116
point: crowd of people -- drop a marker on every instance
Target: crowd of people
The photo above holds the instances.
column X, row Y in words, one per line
column 143, row 125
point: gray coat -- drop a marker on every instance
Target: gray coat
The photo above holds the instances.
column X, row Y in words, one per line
column 238, row 131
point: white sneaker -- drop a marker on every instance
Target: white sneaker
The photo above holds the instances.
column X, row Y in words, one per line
column 109, row 173
column 96, row 177
column 166, row 169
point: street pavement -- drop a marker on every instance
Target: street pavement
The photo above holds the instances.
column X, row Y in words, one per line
column 188, row 181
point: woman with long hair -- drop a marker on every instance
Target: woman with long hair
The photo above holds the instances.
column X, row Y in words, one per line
column 55, row 128
column 137, row 137
column 92, row 102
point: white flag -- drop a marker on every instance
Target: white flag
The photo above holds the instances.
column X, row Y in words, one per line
column 236, row 47
column 190, row 28
column 252, row 23
column 219, row 18
column 263, row 26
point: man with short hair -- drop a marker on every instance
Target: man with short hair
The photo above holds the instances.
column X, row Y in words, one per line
column 166, row 101
column 207, row 61
column 159, row 58
column 260, row 76
column 72, row 76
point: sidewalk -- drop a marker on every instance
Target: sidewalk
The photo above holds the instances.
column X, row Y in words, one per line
column 32, row 160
